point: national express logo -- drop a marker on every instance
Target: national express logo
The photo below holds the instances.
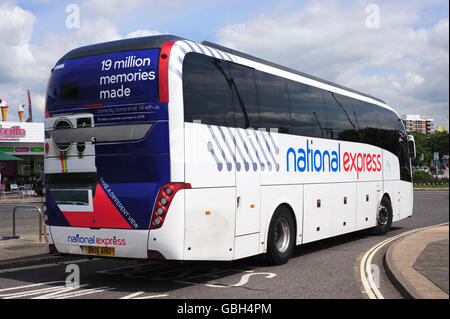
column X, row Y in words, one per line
column 315, row 160
column 96, row 240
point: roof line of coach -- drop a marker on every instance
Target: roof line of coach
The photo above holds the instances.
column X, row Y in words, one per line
column 152, row 42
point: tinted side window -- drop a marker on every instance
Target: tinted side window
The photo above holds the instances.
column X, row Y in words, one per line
column 306, row 109
column 393, row 138
column 388, row 133
column 405, row 162
column 273, row 102
column 367, row 119
column 206, row 91
column 339, row 124
column 347, row 126
column 244, row 95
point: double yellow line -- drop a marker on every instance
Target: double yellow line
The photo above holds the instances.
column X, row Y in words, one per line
column 367, row 279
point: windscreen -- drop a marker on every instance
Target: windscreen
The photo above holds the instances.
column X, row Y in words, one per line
column 99, row 79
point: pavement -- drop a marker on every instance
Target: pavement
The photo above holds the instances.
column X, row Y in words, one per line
column 26, row 249
column 417, row 264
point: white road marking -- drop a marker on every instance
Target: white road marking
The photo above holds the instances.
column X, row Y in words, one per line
column 367, row 279
column 3, row 271
column 53, row 292
column 244, row 279
column 134, row 295
column 59, row 291
column 83, row 292
column 29, row 286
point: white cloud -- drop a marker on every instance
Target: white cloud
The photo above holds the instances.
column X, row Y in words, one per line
column 142, row 33
column 16, row 28
column 119, row 8
column 27, row 66
column 405, row 65
column 408, row 67
column 110, row 8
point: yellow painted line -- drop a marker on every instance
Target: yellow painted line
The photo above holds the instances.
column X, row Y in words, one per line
column 370, row 287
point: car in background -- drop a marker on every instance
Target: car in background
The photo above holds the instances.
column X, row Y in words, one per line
column 423, row 168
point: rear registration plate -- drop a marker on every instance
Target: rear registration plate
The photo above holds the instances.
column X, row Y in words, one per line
column 101, row 251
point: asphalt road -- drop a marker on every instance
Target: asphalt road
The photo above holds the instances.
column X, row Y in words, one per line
column 324, row 269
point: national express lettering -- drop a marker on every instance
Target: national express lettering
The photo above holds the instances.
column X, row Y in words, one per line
column 96, row 240
column 331, row 160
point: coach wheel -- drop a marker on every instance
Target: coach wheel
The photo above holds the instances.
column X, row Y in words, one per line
column 281, row 237
column 384, row 217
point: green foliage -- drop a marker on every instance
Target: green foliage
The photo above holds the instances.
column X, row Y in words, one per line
column 421, row 177
column 428, row 144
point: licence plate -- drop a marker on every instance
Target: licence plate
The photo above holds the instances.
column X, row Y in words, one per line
column 102, row 251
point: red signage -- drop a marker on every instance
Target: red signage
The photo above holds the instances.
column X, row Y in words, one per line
column 11, row 134
column 22, row 149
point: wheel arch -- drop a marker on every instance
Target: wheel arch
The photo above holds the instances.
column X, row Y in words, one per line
column 387, row 196
column 269, row 220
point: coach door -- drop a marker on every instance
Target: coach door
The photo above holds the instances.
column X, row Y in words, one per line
column 247, row 194
column 247, row 183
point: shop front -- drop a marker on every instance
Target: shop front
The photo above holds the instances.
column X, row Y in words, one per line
column 24, row 141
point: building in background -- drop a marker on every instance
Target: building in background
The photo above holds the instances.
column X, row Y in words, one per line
column 413, row 122
column 26, row 141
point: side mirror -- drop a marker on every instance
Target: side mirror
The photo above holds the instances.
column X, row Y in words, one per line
column 411, row 147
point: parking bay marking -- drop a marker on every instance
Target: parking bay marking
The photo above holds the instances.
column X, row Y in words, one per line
column 244, row 279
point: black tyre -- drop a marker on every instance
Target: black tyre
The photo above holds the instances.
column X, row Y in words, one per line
column 281, row 237
column 384, row 217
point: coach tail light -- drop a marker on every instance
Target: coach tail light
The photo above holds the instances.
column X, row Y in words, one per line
column 44, row 208
column 162, row 204
column 168, row 191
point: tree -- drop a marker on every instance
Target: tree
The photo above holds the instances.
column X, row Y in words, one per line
column 427, row 144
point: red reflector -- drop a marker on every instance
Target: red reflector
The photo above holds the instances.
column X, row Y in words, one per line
column 94, row 105
column 47, row 115
column 154, row 254
column 52, row 249
column 47, row 148
column 163, row 74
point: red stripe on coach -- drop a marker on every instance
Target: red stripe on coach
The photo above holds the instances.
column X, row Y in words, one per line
column 163, row 73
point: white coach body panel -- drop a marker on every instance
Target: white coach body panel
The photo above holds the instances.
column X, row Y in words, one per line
column 406, row 191
column 169, row 239
column 208, row 156
column 176, row 125
column 273, row 196
column 236, row 178
column 209, row 223
column 240, row 176
column 368, row 199
column 344, row 201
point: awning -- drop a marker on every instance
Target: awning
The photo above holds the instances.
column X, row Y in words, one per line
column 7, row 157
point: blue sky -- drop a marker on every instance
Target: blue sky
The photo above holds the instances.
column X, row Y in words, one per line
column 403, row 61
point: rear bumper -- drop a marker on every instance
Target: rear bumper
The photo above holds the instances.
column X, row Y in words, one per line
column 73, row 240
column 128, row 243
